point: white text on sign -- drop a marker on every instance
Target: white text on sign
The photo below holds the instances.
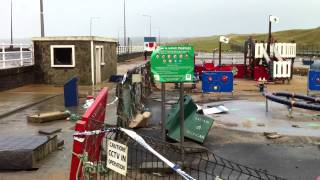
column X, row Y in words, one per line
column 117, row 157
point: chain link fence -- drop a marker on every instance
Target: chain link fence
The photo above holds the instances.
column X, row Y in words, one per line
column 198, row 163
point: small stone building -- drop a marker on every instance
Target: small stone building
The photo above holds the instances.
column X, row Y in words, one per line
column 57, row 59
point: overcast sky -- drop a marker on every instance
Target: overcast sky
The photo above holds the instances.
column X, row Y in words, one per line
column 176, row 18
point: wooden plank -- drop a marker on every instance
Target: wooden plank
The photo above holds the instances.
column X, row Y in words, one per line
column 48, row 116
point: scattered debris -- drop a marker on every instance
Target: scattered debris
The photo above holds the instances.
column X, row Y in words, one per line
column 116, row 78
column 247, row 124
column 23, row 152
column 215, row 110
column 146, row 115
column 171, row 102
column 49, row 130
column 74, row 117
column 49, row 116
column 60, row 143
column 295, row 126
column 210, row 108
column 141, row 120
column 261, row 124
column 88, row 103
column 229, row 124
column 272, row 135
column 157, row 174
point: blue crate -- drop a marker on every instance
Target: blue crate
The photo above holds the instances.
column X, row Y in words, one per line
column 218, row 81
column 314, row 80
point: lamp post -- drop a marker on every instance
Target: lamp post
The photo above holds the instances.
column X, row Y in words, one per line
column 41, row 18
column 146, row 15
column 158, row 28
column 91, row 19
column 11, row 32
column 271, row 20
column 124, row 24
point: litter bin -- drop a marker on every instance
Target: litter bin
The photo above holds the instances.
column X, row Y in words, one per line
column 71, row 93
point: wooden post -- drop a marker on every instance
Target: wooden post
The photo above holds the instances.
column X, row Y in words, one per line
column 21, row 55
column 3, row 56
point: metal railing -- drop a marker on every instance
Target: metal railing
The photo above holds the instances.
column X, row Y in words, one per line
column 129, row 49
column 15, row 55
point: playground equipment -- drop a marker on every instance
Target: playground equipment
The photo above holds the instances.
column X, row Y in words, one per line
column 273, row 64
column 294, row 100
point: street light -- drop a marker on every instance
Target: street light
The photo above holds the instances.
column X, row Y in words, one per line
column 146, row 15
column 91, row 19
column 124, row 24
column 158, row 34
column 41, row 18
column 11, row 33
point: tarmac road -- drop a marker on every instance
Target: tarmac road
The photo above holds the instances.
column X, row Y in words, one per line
column 292, row 158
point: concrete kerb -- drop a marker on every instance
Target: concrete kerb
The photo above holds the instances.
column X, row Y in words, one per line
column 27, row 106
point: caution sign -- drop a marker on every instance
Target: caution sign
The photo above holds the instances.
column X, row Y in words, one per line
column 117, row 157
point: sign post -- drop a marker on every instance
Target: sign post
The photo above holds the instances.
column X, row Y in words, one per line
column 222, row 39
column 173, row 64
column 163, row 110
column 182, row 120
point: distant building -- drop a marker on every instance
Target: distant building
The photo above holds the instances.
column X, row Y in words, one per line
column 150, row 44
column 91, row 59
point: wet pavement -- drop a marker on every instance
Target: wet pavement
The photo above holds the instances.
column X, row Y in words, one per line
column 294, row 158
column 251, row 116
column 235, row 136
column 47, row 98
column 238, row 135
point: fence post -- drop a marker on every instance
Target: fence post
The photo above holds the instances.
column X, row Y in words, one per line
column 32, row 54
column 21, row 55
column 77, row 149
column 3, row 56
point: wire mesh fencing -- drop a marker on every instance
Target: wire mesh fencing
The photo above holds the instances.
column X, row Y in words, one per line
column 198, row 163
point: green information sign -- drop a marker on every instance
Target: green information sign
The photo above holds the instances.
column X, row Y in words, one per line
column 197, row 126
column 173, row 64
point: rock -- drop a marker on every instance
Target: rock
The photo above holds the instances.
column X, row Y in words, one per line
column 272, row 135
column 261, row 124
column 60, row 143
column 146, row 115
column 295, row 126
column 138, row 122
column 229, row 124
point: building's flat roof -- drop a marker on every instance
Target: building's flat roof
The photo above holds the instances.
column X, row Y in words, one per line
column 74, row 38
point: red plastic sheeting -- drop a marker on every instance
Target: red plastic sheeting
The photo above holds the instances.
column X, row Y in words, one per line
column 237, row 69
column 260, row 72
column 151, row 44
column 93, row 119
column 208, row 67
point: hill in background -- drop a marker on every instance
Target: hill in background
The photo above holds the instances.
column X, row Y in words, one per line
column 305, row 38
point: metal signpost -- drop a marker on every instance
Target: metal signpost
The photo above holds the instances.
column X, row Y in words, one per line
column 222, row 39
column 173, row 64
